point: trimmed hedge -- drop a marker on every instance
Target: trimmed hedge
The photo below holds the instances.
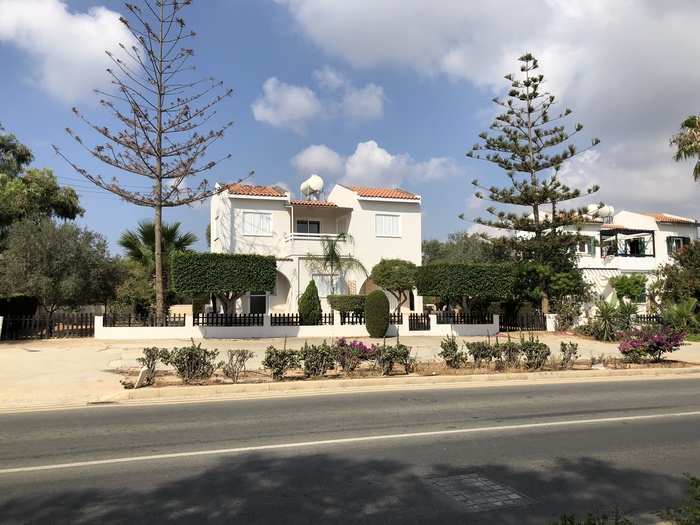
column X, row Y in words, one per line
column 483, row 281
column 377, row 314
column 347, row 302
column 223, row 272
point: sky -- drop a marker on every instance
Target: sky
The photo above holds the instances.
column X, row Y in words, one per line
column 389, row 93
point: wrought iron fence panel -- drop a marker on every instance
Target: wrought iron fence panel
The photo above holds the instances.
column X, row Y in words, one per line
column 515, row 323
column 142, row 321
column 352, row 318
column 45, row 327
column 418, row 321
column 228, row 320
column 462, row 318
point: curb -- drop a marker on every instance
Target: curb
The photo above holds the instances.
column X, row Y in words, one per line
column 169, row 392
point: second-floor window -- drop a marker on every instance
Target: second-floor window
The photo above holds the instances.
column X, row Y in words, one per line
column 586, row 246
column 257, row 223
column 304, row 226
column 387, row 225
column 674, row 244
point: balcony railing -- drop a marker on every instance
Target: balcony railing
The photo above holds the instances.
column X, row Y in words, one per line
column 303, row 243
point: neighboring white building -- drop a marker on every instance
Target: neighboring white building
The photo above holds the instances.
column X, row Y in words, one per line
column 628, row 243
column 385, row 223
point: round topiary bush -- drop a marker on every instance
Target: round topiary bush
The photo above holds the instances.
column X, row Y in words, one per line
column 310, row 312
column 377, row 313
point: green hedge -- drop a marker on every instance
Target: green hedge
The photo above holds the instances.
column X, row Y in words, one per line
column 347, row 302
column 223, row 272
column 484, row 281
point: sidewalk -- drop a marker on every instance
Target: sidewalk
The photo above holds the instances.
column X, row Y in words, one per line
column 75, row 372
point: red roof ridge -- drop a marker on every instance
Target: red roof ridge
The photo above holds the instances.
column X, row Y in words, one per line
column 383, row 193
column 257, row 191
column 667, row 217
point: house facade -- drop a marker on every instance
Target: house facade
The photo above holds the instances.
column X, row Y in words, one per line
column 384, row 223
column 628, row 243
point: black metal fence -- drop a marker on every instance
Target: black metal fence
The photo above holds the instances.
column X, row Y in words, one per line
column 295, row 319
column 418, row 321
column 462, row 318
column 528, row 322
column 352, row 318
column 648, row 319
column 141, row 321
column 228, row 319
column 44, row 327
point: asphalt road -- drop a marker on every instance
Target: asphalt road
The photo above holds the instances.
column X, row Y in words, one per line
column 488, row 454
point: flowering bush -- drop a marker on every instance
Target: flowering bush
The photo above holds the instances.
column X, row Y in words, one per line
column 650, row 341
column 350, row 354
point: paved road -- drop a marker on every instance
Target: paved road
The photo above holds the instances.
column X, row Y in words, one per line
column 366, row 457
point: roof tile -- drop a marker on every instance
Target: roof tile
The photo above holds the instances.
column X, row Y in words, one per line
column 318, row 204
column 256, row 191
column 665, row 217
column 383, row 193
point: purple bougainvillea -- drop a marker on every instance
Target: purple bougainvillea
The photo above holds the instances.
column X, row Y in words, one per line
column 649, row 341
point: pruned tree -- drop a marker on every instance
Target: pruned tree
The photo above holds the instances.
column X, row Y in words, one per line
column 687, row 143
column 522, row 139
column 165, row 112
column 396, row 276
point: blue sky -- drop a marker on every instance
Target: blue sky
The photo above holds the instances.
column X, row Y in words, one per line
column 389, row 93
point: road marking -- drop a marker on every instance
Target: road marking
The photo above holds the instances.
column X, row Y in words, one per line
column 281, row 446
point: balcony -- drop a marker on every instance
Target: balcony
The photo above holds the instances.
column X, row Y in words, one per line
column 300, row 244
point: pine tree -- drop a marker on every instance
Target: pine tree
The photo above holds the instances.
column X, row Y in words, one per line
column 162, row 107
column 531, row 146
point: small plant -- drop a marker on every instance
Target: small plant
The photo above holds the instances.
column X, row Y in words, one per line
column 317, row 359
column 236, row 363
column 536, row 353
column 192, row 363
column 150, row 359
column 569, row 353
column 690, row 513
column 682, row 316
column 450, row 352
column 279, row 362
column 480, row 351
column 650, row 341
column 386, row 357
column 349, row 355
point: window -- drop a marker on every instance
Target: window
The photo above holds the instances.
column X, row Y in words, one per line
column 387, row 225
column 304, row 226
column 323, row 283
column 674, row 244
column 255, row 223
column 635, row 246
column 586, row 246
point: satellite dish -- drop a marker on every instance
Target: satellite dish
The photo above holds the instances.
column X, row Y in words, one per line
column 312, row 187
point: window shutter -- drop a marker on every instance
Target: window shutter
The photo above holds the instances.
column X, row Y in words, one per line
column 669, row 245
column 591, row 245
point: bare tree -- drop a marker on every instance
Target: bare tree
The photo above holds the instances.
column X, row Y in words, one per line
column 162, row 107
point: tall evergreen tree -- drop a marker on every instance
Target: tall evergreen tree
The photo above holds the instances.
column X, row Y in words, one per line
column 529, row 144
column 165, row 113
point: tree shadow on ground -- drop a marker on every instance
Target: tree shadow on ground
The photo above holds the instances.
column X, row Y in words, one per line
column 318, row 488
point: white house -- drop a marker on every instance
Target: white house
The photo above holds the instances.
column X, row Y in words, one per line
column 384, row 223
column 630, row 242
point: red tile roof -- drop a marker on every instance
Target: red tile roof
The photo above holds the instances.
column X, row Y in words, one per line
column 383, row 193
column 256, row 191
column 319, row 204
column 613, row 226
column 665, row 217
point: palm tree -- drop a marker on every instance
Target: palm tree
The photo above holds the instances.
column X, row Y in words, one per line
column 140, row 245
column 331, row 262
column 687, row 143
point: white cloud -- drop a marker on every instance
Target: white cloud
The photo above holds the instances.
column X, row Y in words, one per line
column 286, row 106
column 294, row 107
column 67, row 49
column 373, row 166
column 318, row 158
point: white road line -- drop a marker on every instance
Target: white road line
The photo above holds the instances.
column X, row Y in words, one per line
column 280, row 446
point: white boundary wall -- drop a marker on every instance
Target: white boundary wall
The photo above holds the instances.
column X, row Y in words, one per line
column 246, row 332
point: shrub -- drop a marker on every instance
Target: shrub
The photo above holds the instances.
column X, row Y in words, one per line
column 236, row 363
column 310, row 313
column 377, row 314
column 192, row 363
column 349, row 355
column 387, row 356
column 690, row 514
column 650, row 341
column 480, row 351
column 536, row 353
column 347, row 302
column 150, row 359
column 510, row 353
column 568, row 311
column 450, row 352
column 606, row 324
column 279, row 362
column 682, row 316
column 569, row 354
column 317, row 359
